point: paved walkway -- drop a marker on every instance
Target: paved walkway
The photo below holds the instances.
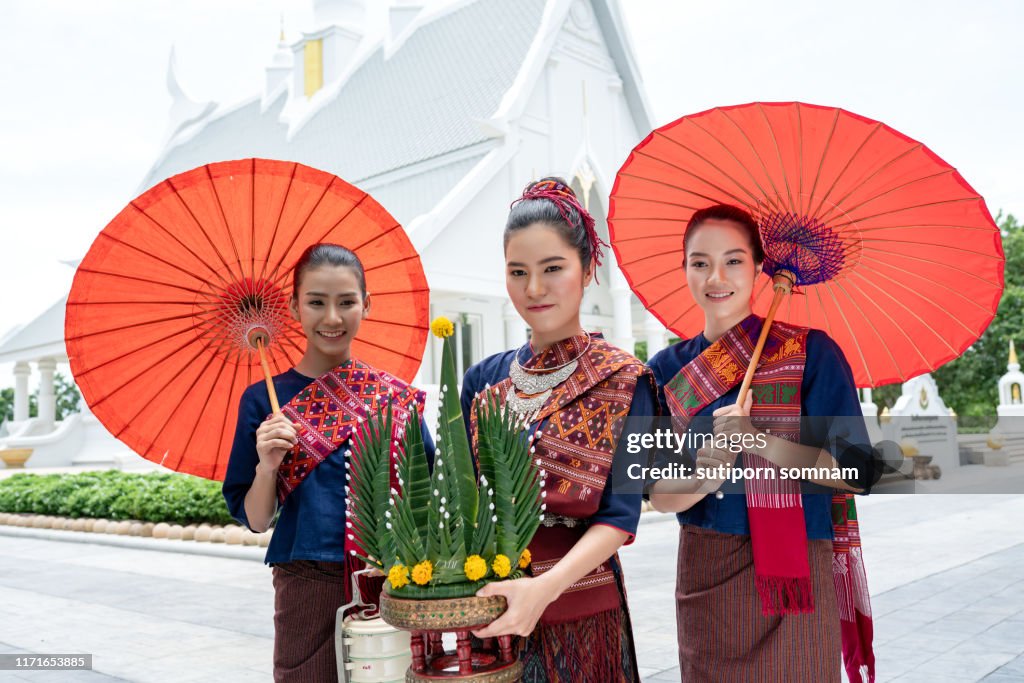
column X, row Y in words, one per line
column 947, row 579
column 946, row 574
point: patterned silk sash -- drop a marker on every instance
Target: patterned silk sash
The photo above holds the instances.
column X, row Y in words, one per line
column 581, row 423
column 774, row 506
column 852, row 595
column 328, row 410
column 778, row 531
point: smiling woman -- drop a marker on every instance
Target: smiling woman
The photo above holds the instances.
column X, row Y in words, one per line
column 723, row 258
column 756, row 596
column 329, row 300
column 294, row 461
column 571, row 606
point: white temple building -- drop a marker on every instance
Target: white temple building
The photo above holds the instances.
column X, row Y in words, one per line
column 442, row 111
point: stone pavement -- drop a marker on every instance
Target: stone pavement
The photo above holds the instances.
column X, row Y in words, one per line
column 144, row 615
column 946, row 573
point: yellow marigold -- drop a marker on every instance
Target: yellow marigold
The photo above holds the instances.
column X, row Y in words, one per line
column 398, row 575
column 501, row 566
column 475, row 567
column 525, row 559
column 442, row 327
column 422, row 572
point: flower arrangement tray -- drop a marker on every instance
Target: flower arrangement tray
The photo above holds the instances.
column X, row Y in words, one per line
column 447, row 614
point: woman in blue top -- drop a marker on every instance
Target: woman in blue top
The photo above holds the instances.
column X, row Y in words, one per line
column 294, row 462
column 575, row 392
column 756, row 594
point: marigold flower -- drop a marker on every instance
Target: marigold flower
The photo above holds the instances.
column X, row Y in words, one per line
column 501, row 566
column 525, row 559
column 475, row 567
column 398, row 575
column 442, row 327
column 422, row 572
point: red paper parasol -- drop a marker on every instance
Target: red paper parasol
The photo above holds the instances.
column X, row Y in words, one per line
column 895, row 255
column 163, row 304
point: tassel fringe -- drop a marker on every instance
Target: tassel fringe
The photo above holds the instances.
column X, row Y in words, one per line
column 780, row 595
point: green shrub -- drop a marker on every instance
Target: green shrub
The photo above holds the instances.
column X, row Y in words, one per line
column 152, row 497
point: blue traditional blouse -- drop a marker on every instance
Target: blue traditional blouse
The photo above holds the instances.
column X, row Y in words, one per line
column 619, row 508
column 827, row 390
column 311, row 523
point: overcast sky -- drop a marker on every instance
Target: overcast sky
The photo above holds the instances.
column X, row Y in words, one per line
column 85, row 103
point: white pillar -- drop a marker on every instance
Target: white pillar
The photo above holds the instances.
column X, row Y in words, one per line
column 866, row 393
column 515, row 328
column 21, row 373
column 654, row 333
column 47, row 396
column 622, row 311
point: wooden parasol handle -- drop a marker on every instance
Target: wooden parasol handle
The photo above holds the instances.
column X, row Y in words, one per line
column 783, row 282
column 266, row 375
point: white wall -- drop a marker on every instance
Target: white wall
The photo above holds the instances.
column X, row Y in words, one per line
column 551, row 137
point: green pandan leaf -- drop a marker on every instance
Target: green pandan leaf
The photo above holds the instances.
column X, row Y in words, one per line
column 443, row 515
column 369, row 487
column 503, row 450
column 445, row 539
column 412, row 469
column 455, row 444
column 436, row 592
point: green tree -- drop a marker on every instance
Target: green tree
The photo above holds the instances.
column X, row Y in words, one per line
column 66, row 393
column 7, row 405
column 968, row 384
column 640, row 348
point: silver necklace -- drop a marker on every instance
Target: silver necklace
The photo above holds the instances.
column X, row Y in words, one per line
column 536, row 385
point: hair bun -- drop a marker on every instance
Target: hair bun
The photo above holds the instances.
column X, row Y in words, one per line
column 549, row 184
column 575, row 215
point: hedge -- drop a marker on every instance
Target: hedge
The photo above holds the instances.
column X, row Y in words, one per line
column 151, row 497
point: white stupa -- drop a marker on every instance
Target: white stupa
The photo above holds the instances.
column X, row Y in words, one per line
column 1011, row 397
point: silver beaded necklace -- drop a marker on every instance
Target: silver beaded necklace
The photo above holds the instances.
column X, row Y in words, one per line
column 537, row 384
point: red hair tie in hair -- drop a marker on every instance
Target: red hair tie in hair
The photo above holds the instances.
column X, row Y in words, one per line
column 564, row 199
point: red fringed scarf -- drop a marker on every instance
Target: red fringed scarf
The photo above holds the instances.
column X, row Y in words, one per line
column 328, row 410
column 778, row 533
